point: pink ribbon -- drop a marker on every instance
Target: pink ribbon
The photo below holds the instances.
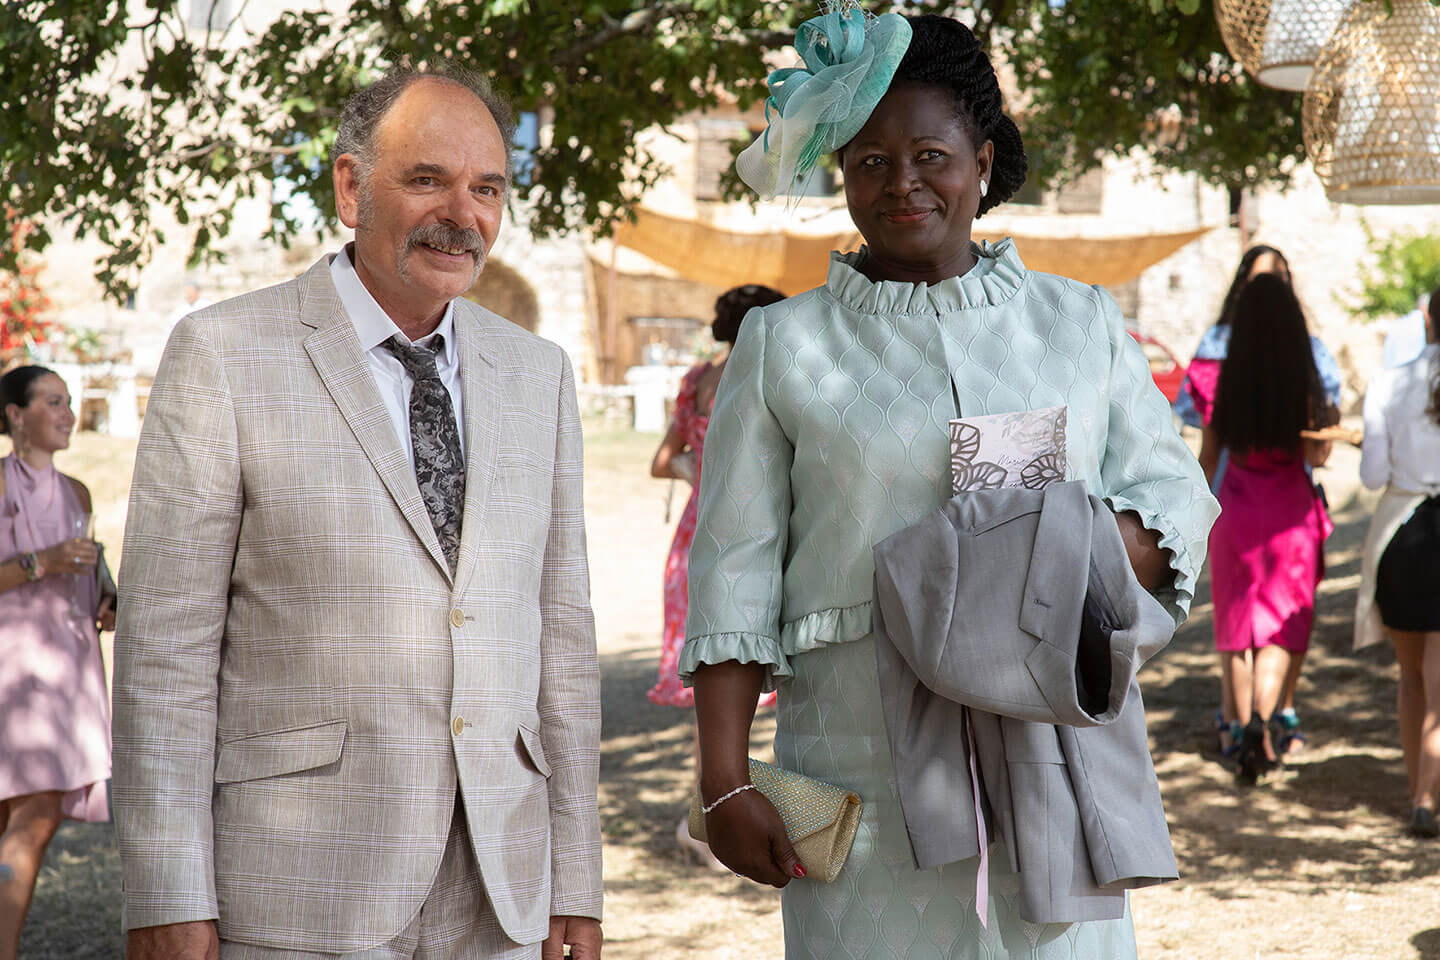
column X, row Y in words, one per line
column 982, row 872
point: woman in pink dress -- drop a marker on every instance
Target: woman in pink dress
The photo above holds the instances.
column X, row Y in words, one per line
column 54, row 711
column 1266, row 550
column 679, row 458
column 1193, row 405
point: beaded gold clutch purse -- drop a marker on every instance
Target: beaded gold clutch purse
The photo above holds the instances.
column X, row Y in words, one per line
column 820, row 818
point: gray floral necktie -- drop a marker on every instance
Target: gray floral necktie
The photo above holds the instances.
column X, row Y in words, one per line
column 435, row 439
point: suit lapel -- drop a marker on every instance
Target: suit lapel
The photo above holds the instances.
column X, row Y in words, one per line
column 335, row 350
column 479, row 376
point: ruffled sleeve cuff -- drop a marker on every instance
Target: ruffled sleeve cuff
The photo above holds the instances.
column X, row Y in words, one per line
column 744, row 647
column 1177, row 597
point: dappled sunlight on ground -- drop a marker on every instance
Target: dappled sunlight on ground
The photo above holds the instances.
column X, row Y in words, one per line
column 1314, row 864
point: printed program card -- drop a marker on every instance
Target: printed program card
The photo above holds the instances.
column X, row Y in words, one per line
column 1025, row 449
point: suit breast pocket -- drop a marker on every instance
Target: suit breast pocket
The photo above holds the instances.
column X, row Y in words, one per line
column 280, row 752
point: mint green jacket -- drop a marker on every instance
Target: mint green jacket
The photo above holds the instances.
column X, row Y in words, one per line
column 830, row 432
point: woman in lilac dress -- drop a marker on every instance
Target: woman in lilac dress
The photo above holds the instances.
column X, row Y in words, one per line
column 54, row 711
column 1266, row 550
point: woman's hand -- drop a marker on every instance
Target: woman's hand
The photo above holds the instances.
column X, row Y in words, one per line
column 746, row 834
column 1150, row 562
column 684, row 467
column 70, row 556
column 105, row 616
column 1318, row 451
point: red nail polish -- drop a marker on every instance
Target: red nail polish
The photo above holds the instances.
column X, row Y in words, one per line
column 800, row 871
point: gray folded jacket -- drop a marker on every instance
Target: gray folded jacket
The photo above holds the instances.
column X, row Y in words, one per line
column 1019, row 608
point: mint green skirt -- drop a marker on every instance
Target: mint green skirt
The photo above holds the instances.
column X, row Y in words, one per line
column 880, row 907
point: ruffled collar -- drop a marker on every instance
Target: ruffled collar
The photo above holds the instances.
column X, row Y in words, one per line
column 996, row 278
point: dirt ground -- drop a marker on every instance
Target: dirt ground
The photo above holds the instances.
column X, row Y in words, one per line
column 1314, row 864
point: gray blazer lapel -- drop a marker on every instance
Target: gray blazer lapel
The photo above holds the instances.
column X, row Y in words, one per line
column 1055, row 584
column 479, row 376
column 335, row 350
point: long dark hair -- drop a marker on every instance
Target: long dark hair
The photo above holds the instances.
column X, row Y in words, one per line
column 1242, row 277
column 18, row 387
column 1269, row 388
column 1433, row 309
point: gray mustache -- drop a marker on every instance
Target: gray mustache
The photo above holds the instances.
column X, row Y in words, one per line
column 443, row 235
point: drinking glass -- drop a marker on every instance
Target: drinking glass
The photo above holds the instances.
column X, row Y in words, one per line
column 82, row 527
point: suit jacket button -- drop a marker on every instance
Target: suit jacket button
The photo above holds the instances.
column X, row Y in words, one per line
column 458, row 725
column 457, row 618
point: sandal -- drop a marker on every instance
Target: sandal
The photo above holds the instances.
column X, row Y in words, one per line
column 1289, row 737
column 1233, row 730
column 1252, row 762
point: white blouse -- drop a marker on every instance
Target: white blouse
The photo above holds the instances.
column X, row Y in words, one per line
column 1402, row 441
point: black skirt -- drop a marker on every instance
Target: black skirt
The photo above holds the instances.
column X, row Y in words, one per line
column 1407, row 585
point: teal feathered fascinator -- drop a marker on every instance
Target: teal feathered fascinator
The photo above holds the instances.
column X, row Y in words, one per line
column 816, row 109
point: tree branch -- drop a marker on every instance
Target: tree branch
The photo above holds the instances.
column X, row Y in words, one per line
column 639, row 21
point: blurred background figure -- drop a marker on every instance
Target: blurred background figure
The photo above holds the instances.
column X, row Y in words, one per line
column 1194, row 405
column 678, row 458
column 1266, row 550
column 1400, row 569
column 191, row 299
column 54, row 712
column 1407, row 335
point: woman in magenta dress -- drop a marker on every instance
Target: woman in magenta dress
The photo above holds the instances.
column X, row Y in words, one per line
column 1193, row 405
column 1266, row 550
column 54, row 711
column 679, row 458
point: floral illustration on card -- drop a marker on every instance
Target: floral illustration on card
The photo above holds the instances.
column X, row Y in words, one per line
column 1020, row 449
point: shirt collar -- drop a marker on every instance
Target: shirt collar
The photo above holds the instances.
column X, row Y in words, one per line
column 372, row 323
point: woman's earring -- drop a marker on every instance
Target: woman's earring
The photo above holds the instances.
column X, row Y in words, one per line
column 984, row 188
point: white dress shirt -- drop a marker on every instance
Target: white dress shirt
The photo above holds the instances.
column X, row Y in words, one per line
column 1404, row 339
column 375, row 327
column 1402, row 441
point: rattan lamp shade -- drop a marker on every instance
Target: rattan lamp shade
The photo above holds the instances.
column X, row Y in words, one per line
column 1242, row 27
column 1372, row 108
column 1295, row 33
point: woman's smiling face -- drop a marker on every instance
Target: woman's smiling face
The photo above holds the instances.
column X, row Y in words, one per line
column 912, row 182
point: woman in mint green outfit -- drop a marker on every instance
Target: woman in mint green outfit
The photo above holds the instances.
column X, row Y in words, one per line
column 829, row 433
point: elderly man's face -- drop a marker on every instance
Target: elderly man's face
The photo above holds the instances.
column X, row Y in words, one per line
column 429, row 212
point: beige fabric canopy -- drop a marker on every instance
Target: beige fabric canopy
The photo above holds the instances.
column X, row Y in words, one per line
column 794, row 262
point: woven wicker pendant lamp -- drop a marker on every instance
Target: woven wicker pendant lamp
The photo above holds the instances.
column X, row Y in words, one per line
column 1295, row 33
column 1242, row 27
column 1371, row 116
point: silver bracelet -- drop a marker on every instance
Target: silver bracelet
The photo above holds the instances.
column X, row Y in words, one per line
column 740, row 789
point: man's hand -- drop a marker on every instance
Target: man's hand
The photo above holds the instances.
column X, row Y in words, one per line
column 581, row 934
column 187, row 941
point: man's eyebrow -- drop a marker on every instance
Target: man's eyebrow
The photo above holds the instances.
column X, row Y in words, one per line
column 425, row 170
column 498, row 179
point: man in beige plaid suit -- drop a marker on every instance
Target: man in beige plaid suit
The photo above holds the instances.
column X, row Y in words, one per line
column 357, row 704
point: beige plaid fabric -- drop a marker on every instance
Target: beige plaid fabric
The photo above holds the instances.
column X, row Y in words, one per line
column 455, row 922
column 300, row 685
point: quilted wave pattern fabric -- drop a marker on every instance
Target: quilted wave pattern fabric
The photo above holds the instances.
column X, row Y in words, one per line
column 830, row 432
column 879, row 907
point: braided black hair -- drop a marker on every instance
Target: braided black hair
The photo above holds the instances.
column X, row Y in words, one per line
column 944, row 53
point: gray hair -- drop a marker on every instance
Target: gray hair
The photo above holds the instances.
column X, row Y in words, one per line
column 367, row 106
